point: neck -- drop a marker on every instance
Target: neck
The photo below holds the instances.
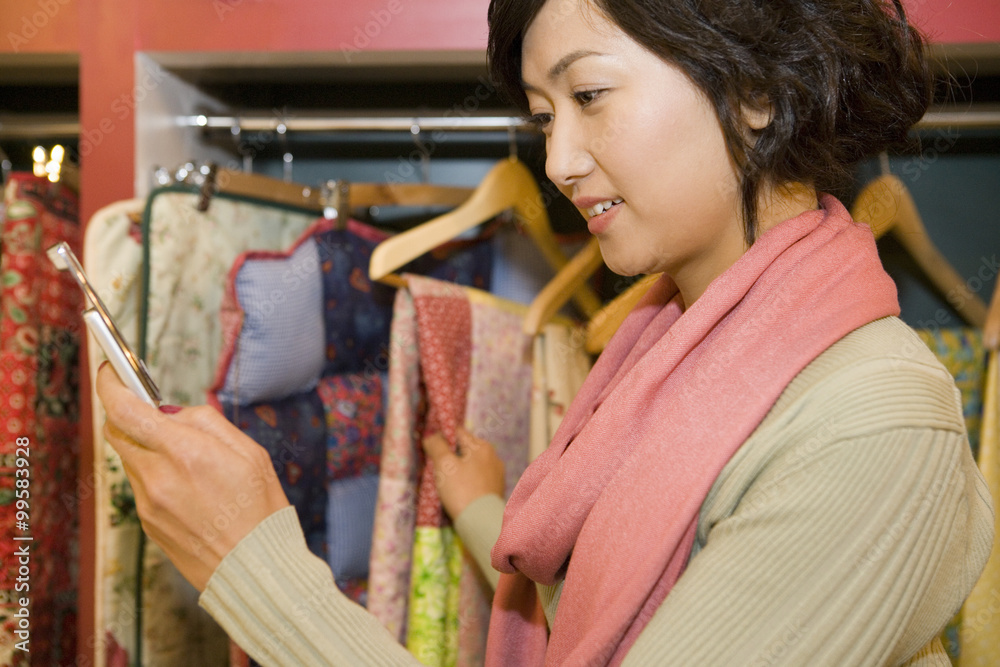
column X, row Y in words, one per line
column 775, row 205
column 784, row 202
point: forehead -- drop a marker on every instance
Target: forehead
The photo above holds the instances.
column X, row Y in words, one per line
column 562, row 32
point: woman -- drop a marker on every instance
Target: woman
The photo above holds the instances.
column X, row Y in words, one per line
column 764, row 467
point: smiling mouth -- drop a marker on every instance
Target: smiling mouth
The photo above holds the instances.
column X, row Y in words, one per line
column 597, row 209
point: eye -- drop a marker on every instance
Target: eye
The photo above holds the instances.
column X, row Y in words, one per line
column 539, row 120
column 585, row 97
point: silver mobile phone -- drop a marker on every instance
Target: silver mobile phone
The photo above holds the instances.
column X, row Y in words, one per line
column 129, row 367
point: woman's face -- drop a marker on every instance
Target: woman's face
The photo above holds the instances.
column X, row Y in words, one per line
column 635, row 145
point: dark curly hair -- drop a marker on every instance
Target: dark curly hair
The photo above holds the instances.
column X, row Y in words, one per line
column 845, row 79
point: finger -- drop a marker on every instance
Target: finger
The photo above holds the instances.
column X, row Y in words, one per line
column 128, row 449
column 469, row 442
column 210, row 421
column 130, row 414
column 437, row 448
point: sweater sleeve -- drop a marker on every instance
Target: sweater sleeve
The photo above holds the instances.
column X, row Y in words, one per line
column 479, row 527
column 852, row 546
column 280, row 604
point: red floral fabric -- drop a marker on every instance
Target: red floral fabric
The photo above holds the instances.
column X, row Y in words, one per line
column 40, row 328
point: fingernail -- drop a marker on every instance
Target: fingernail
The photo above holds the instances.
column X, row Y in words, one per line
column 170, row 409
column 103, row 364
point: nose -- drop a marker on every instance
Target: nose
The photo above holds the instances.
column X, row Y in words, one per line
column 567, row 159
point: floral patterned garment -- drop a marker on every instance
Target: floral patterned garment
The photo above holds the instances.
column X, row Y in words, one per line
column 40, row 327
column 468, row 350
column 190, row 255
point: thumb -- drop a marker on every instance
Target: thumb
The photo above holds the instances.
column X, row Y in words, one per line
column 437, row 448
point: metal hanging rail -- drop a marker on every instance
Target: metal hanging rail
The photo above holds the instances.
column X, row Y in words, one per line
column 974, row 117
column 44, row 126
column 31, row 127
column 368, row 123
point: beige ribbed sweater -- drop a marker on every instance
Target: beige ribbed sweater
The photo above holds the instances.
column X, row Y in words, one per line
column 846, row 531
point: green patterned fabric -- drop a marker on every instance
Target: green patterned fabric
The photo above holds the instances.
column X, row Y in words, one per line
column 961, row 352
column 434, row 596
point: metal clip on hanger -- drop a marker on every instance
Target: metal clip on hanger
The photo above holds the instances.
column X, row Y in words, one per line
column 208, row 186
column 335, row 197
column 286, row 154
column 425, row 154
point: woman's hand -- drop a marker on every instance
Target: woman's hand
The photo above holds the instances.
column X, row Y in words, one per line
column 200, row 484
column 474, row 471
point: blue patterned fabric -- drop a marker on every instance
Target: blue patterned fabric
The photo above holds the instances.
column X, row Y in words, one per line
column 358, row 311
column 349, row 520
column 293, row 431
column 279, row 349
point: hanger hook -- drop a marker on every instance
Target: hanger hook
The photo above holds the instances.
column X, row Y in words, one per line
column 425, row 155
column 512, row 142
column 241, row 150
column 286, row 156
column 883, row 161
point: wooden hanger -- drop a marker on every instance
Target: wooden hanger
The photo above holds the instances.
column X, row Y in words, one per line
column 602, row 324
column 562, row 287
column 340, row 195
column 605, row 323
column 888, row 207
column 991, row 330
column 508, row 185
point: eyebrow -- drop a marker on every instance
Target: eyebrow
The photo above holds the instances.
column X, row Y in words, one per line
column 564, row 64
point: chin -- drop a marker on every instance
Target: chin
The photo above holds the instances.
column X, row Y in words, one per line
column 629, row 260
column 622, row 267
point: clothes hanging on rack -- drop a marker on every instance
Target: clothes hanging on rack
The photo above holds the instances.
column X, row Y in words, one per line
column 40, row 324
column 560, row 364
column 294, row 343
column 189, row 254
column 301, row 372
column 467, row 350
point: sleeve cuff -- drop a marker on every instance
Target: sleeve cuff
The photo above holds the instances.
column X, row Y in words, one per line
column 479, row 527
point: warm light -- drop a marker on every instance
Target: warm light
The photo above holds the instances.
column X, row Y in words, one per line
column 38, row 155
column 58, row 153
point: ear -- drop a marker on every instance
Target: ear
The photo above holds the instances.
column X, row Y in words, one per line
column 757, row 115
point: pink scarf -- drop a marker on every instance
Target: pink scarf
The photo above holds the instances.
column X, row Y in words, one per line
column 668, row 403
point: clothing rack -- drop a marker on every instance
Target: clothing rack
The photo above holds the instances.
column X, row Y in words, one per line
column 374, row 121
column 43, row 126
column 37, row 127
column 985, row 116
